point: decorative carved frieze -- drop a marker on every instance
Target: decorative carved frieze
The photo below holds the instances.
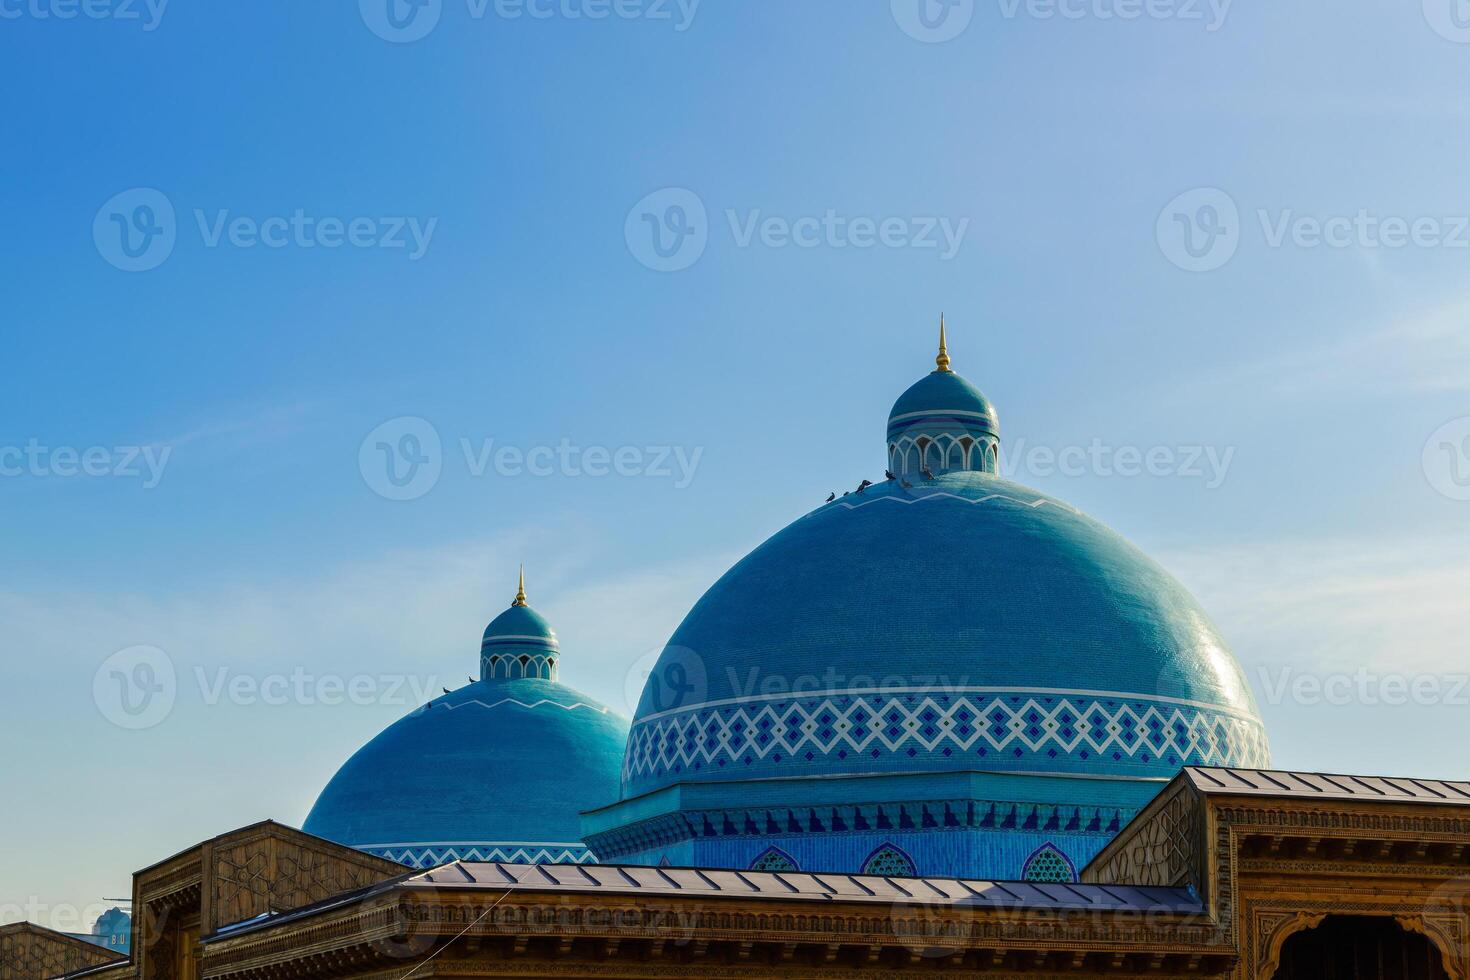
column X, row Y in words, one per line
column 592, row 929
column 1164, row 847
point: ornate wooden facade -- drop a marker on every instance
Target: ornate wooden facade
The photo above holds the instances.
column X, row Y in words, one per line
column 1274, row 854
column 29, row 951
column 503, row 921
column 255, row 871
column 1213, row 879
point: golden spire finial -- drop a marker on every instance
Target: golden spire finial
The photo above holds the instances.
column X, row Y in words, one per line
column 943, row 359
column 521, row 589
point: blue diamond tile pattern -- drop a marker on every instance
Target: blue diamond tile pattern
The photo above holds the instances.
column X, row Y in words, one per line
column 1041, row 730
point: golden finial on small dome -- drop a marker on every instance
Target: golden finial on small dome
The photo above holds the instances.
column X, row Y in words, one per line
column 521, row 589
column 943, row 359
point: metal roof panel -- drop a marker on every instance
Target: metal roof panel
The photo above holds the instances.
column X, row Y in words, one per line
column 1319, row 785
column 797, row 886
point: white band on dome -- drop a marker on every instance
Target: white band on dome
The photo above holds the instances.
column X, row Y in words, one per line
column 933, row 690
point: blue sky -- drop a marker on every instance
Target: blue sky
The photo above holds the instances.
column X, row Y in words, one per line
column 1311, row 327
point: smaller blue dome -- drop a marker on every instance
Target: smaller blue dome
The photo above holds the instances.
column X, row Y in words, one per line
column 498, row 770
column 944, row 393
column 942, row 424
column 521, row 623
column 495, row 771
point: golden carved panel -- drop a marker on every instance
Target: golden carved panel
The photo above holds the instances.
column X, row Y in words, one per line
column 1165, row 847
column 31, row 953
column 282, row 870
column 1271, row 923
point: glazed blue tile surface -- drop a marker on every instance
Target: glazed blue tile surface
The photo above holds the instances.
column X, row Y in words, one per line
column 946, row 673
column 943, row 622
column 968, row 622
column 968, row 824
column 1005, row 855
column 497, row 770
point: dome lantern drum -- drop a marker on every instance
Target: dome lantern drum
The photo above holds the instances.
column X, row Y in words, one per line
column 943, row 424
column 519, row 644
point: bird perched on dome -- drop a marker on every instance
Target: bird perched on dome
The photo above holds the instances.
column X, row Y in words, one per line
column 1081, row 676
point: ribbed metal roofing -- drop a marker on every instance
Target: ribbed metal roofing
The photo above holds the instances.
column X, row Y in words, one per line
column 696, row 883
column 1325, row 786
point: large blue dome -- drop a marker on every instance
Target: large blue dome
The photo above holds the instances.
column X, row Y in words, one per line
column 497, row 770
column 967, row 622
column 946, row 672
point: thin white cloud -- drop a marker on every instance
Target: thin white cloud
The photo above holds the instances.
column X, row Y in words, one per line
column 609, row 626
column 418, row 610
column 1312, row 106
column 1338, row 604
column 1424, row 351
column 417, row 613
column 246, row 426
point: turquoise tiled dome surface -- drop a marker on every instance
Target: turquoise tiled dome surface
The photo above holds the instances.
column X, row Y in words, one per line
column 945, row 673
column 942, row 392
column 497, row 770
column 521, row 623
column 964, row 623
column 944, row 620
